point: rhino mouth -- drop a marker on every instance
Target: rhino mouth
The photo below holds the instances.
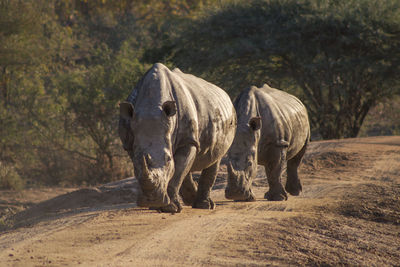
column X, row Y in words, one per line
column 238, row 187
column 239, row 194
column 153, row 200
column 153, row 193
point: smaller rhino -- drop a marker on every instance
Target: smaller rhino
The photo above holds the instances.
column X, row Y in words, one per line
column 272, row 130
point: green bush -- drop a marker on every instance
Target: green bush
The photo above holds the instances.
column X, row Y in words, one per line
column 9, row 178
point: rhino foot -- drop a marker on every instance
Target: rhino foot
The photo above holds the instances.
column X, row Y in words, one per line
column 172, row 207
column 294, row 188
column 207, row 204
column 275, row 196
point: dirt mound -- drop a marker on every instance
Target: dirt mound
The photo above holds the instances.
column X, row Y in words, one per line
column 329, row 159
column 85, row 199
column 378, row 203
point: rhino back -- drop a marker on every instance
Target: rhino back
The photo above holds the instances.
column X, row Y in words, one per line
column 207, row 111
column 288, row 116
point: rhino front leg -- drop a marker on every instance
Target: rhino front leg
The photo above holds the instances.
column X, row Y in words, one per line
column 206, row 182
column 274, row 169
column 188, row 190
column 183, row 158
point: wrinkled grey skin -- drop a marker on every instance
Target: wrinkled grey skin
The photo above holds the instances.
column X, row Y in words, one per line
column 273, row 130
column 171, row 125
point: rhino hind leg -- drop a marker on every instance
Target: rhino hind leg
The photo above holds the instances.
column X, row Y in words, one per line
column 183, row 158
column 206, row 182
column 188, row 190
column 293, row 184
column 274, row 170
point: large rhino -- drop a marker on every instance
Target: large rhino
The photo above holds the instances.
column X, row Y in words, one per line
column 273, row 131
column 172, row 124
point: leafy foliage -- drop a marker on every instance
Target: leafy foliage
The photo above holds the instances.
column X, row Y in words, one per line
column 342, row 56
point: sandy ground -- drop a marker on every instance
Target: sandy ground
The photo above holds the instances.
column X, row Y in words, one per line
column 347, row 214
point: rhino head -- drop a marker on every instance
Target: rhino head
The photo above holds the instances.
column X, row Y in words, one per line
column 146, row 136
column 242, row 161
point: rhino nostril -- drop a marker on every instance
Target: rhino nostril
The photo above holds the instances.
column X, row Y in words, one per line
column 149, row 160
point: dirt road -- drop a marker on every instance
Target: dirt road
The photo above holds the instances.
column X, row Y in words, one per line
column 348, row 214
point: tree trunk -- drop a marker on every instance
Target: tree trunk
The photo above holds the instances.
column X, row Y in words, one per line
column 359, row 119
column 4, row 86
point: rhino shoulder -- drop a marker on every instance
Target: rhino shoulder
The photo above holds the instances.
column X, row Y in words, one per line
column 177, row 70
column 159, row 66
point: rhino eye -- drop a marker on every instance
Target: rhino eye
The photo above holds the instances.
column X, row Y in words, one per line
column 169, row 108
column 167, row 158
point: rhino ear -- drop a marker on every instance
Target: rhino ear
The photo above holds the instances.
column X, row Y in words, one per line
column 169, row 108
column 126, row 110
column 255, row 123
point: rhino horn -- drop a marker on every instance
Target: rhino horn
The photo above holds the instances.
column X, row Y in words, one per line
column 145, row 169
column 231, row 171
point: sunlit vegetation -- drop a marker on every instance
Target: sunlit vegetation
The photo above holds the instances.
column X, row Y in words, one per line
column 65, row 65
